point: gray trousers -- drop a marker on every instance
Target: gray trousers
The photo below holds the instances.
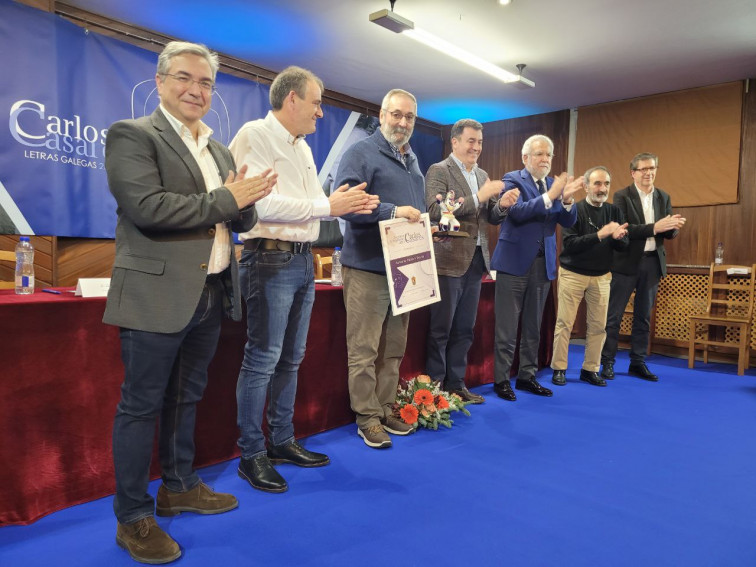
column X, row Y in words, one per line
column 376, row 341
column 519, row 298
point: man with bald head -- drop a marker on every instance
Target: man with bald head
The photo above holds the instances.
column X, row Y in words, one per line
column 376, row 339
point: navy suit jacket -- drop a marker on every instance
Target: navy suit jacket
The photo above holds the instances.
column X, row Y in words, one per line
column 526, row 224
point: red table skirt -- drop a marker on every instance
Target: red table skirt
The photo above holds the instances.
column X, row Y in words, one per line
column 61, row 372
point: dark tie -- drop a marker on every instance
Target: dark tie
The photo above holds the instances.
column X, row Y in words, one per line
column 541, row 190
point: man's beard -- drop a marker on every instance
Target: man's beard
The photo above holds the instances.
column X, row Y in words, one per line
column 398, row 135
column 598, row 199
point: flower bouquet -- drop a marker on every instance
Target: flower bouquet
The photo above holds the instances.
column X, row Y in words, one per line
column 421, row 401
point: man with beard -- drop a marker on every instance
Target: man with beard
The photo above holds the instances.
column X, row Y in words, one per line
column 525, row 261
column 375, row 338
column 648, row 211
column 584, row 271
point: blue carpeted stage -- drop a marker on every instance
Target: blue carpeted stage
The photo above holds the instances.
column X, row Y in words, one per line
column 636, row 473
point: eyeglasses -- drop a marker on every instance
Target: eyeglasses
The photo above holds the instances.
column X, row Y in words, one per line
column 396, row 115
column 645, row 169
column 207, row 86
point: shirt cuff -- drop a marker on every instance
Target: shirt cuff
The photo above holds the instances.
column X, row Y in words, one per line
column 321, row 208
column 547, row 201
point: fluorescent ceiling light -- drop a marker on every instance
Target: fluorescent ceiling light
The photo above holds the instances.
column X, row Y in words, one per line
column 397, row 24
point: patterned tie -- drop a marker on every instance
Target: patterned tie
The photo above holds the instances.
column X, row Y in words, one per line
column 541, row 188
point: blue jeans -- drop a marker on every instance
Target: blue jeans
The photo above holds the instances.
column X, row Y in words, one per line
column 165, row 377
column 279, row 289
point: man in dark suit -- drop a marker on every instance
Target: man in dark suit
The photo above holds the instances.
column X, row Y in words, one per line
column 525, row 261
column 461, row 261
column 174, row 276
column 648, row 211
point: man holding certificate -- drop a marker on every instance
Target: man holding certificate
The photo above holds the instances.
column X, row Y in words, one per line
column 376, row 339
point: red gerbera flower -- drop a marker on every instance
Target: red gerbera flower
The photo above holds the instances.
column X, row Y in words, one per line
column 423, row 397
column 442, row 403
column 409, row 414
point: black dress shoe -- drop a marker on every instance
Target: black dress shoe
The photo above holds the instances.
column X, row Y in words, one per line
column 607, row 371
column 592, row 378
column 640, row 370
column 559, row 378
column 504, row 391
column 261, row 475
column 533, row 387
column 295, row 454
column 468, row 396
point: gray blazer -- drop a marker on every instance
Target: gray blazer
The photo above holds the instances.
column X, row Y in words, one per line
column 454, row 256
column 166, row 226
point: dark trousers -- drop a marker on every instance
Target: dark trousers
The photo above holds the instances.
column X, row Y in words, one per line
column 519, row 297
column 165, row 377
column 645, row 283
column 452, row 324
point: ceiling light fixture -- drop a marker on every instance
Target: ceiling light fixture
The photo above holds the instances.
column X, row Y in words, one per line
column 397, row 24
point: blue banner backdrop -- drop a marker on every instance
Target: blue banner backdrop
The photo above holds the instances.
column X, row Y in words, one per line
column 64, row 86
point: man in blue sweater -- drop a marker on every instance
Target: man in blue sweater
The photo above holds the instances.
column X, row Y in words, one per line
column 376, row 339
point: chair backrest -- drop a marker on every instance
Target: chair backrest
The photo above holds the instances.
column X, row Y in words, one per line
column 7, row 256
column 320, row 263
column 731, row 291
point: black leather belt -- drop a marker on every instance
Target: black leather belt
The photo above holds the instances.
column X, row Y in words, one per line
column 651, row 253
column 280, row 245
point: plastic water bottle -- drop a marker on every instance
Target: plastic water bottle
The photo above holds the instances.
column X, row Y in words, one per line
column 719, row 254
column 24, row 266
column 336, row 267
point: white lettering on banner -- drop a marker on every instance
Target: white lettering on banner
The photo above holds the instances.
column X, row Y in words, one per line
column 55, row 133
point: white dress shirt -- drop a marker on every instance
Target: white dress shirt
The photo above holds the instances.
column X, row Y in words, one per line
column 647, row 201
column 293, row 210
column 220, row 255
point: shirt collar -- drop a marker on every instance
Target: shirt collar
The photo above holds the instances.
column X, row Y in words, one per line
column 204, row 130
column 462, row 165
column 280, row 130
column 642, row 194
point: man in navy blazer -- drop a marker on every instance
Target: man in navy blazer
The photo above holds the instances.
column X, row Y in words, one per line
column 525, row 261
column 174, row 276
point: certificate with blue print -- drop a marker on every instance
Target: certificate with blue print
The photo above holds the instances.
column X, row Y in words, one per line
column 410, row 263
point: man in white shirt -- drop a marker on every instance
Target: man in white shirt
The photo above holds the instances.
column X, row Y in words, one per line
column 648, row 211
column 277, row 276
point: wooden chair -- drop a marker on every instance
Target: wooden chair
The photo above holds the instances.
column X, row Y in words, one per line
column 320, row 262
column 729, row 305
column 7, row 256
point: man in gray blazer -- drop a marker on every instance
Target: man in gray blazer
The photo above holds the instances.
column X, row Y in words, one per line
column 461, row 260
column 174, row 275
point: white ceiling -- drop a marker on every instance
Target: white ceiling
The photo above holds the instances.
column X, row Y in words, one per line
column 578, row 53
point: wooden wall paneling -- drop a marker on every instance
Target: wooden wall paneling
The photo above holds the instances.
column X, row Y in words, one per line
column 84, row 258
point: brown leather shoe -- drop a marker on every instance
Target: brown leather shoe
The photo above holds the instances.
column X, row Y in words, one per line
column 201, row 500
column 146, row 542
column 468, row 396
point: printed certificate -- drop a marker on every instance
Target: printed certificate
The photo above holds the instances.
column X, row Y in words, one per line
column 410, row 263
